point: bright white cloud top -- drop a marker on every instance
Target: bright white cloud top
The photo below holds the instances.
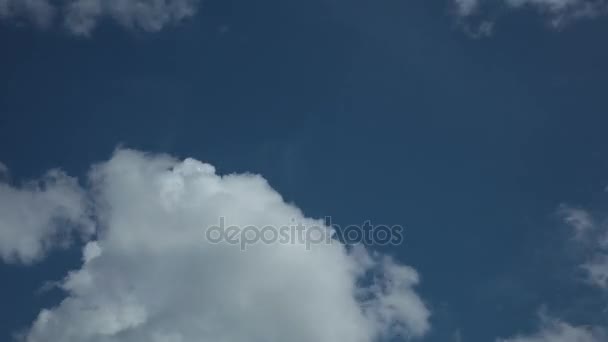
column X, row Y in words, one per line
column 151, row 275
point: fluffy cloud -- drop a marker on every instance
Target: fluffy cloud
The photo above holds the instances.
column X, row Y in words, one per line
column 553, row 330
column 152, row 275
column 82, row 16
column 40, row 215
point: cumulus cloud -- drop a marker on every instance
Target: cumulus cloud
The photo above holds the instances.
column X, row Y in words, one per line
column 82, row 16
column 152, row 275
column 40, row 215
column 554, row 330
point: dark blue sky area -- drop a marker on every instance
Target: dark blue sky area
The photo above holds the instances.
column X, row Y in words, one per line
column 379, row 110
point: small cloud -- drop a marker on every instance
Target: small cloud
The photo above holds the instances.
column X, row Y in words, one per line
column 39, row 216
column 482, row 30
column 593, row 237
column 597, row 270
column 465, row 8
column 81, row 17
column 557, row 12
column 555, row 330
column 578, row 219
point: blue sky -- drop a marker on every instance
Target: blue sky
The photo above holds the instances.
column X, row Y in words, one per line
column 389, row 111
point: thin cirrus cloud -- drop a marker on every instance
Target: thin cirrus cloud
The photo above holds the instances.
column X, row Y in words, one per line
column 81, row 17
column 591, row 235
column 150, row 274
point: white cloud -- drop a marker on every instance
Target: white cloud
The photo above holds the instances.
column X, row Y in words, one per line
column 597, row 270
column 151, row 275
column 40, row 215
column 592, row 236
column 579, row 219
column 82, row 16
column 558, row 12
column 466, row 7
column 40, row 12
column 554, row 330
column 479, row 30
column 562, row 11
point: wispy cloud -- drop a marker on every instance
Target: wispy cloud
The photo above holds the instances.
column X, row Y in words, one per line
column 580, row 220
column 558, row 13
column 81, row 17
column 39, row 12
column 591, row 235
column 555, row 330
